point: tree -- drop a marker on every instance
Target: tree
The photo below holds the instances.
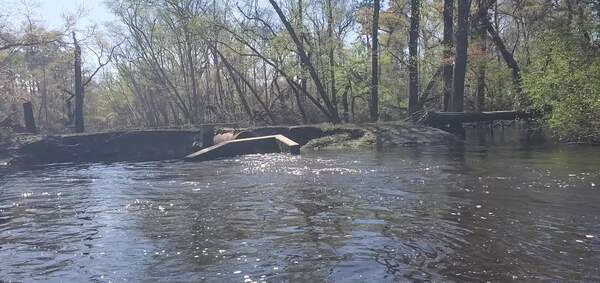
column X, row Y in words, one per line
column 331, row 113
column 331, row 51
column 460, row 59
column 298, row 61
column 506, row 55
column 480, row 48
column 302, row 77
column 80, row 85
column 564, row 76
column 448, row 54
column 374, row 101
column 413, row 60
column 79, row 89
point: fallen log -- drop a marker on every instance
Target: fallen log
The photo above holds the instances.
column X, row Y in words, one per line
column 230, row 148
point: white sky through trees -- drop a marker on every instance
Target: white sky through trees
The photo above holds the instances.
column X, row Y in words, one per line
column 95, row 11
column 50, row 12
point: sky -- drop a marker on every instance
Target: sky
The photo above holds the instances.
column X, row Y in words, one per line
column 50, row 11
column 96, row 11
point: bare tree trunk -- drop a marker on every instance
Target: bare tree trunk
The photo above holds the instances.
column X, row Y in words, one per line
column 581, row 23
column 219, row 86
column 352, row 104
column 236, row 84
column 252, row 88
column 374, row 101
column 79, row 89
column 302, row 68
column 345, row 101
column 332, row 113
column 481, row 45
column 413, row 67
column 45, row 99
column 424, row 98
column 448, row 54
column 298, row 100
column 219, row 81
column 460, row 68
column 507, row 56
column 331, row 53
column 232, row 72
column 190, row 58
column 267, row 91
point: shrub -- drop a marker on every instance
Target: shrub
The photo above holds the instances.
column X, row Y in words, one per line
column 565, row 75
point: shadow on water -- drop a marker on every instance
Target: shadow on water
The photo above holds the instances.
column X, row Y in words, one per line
column 489, row 209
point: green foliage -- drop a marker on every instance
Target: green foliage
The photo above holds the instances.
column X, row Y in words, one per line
column 565, row 75
column 501, row 93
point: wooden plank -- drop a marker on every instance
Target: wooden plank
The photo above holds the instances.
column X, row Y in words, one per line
column 264, row 144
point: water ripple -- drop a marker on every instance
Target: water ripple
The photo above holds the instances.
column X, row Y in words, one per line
column 429, row 214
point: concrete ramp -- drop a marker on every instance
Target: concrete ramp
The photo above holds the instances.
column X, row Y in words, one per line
column 264, row 144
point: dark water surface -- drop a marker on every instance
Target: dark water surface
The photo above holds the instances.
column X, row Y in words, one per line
column 441, row 213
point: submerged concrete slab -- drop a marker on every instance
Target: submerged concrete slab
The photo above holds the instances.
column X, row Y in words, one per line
column 265, row 144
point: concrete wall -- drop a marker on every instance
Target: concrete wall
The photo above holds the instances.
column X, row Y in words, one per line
column 143, row 145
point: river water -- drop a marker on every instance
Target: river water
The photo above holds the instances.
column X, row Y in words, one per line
column 507, row 211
